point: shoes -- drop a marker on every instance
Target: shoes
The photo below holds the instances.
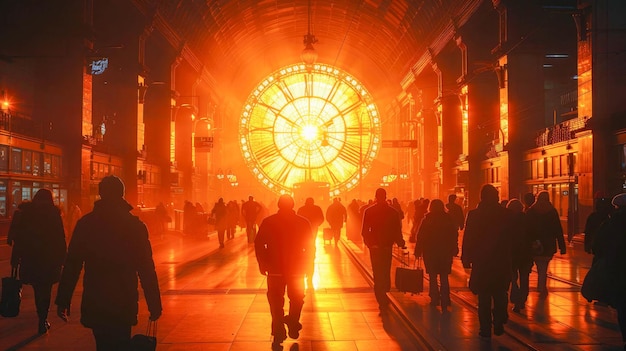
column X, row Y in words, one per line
column 543, row 293
column 498, row 329
column 294, row 327
column 43, row 326
column 484, row 335
column 518, row 308
column 277, row 343
column 221, row 245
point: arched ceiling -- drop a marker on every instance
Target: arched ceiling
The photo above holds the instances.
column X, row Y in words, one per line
column 378, row 41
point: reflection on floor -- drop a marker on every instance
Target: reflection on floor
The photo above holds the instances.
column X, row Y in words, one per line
column 214, row 299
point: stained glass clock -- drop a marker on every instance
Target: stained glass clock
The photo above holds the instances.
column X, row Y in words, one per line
column 309, row 123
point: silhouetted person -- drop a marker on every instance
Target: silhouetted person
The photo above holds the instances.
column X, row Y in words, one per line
column 437, row 242
column 600, row 214
column 39, row 248
column 521, row 255
column 529, row 200
column 421, row 207
column 381, row 229
column 232, row 210
column 250, row 210
column 220, row 214
column 113, row 247
column 396, row 204
column 456, row 212
column 283, row 250
column 190, row 215
column 610, row 245
column 162, row 217
column 336, row 216
column 487, row 250
column 545, row 229
column 315, row 215
column 353, row 224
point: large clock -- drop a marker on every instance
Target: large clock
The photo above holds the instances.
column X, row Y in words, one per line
column 309, row 123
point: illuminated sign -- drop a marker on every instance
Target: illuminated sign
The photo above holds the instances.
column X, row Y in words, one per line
column 98, row 65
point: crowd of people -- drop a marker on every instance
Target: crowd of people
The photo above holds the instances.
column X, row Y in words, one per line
column 499, row 241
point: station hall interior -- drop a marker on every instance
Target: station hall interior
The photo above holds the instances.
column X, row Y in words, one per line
column 190, row 100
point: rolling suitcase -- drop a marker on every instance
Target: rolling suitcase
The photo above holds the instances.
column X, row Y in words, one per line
column 409, row 279
column 328, row 235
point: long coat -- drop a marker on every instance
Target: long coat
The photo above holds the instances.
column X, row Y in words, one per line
column 437, row 242
column 487, row 247
column 39, row 243
column 610, row 245
column 113, row 247
column 521, row 242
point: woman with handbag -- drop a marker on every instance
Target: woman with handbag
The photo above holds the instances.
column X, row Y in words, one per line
column 437, row 242
column 545, row 229
column 40, row 248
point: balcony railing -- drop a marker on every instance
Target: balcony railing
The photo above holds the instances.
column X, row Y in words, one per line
column 563, row 131
column 15, row 123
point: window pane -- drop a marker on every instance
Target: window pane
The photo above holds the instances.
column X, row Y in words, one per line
column 4, row 158
column 16, row 160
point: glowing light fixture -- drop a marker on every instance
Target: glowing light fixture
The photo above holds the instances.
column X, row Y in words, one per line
column 309, row 55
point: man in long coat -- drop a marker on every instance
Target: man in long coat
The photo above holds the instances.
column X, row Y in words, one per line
column 381, row 228
column 113, row 247
column 283, row 250
column 315, row 215
column 487, row 250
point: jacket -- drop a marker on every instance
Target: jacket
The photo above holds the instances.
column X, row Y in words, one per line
column 545, row 226
column 39, row 243
column 283, row 244
column 437, row 242
column 382, row 226
column 113, row 247
column 487, row 248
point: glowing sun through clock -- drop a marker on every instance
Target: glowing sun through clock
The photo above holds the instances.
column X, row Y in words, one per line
column 309, row 123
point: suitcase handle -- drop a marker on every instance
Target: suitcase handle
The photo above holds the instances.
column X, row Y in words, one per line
column 14, row 271
column 404, row 252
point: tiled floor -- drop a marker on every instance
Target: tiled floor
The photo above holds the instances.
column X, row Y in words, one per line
column 214, row 299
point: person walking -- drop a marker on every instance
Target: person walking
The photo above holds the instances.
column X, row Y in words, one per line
column 220, row 214
column 521, row 255
column 487, row 251
column 283, row 249
column 546, row 232
column 336, row 216
column 250, row 210
column 232, row 210
column 381, row 229
column 39, row 249
column 113, row 247
column 315, row 215
column 456, row 212
column 601, row 213
column 437, row 242
column 610, row 245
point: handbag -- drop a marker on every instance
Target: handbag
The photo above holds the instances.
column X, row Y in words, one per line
column 11, row 295
column 409, row 279
column 597, row 283
column 147, row 341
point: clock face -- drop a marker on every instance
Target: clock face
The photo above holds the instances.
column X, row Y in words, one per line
column 309, row 123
